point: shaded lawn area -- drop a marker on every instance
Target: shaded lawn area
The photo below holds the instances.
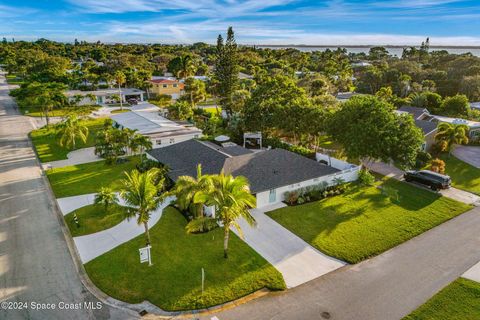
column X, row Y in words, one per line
column 326, row 142
column 46, row 142
column 93, row 218
column 88, row 177
column 79, row 111
column 174, row 280
column 363, row 222
column 458, row 301
column 464, row 176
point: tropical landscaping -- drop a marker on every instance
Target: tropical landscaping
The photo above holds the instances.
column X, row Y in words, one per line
column 368, row 220
column 46, row 140
column 174, row 280
column 460, row 300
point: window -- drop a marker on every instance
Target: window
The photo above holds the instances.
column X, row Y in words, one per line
column 158, row 142
column 196, row 136
column 175, row 85
column 172, row 140
column 165, row 86
column 272, row 197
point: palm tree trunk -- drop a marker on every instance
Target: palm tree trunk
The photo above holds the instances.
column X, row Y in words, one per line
column 147, row 233
column 120, row 95
column 226, row 230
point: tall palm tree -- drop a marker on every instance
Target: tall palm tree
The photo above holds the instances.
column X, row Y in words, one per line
column 452, row 134
column 70, row 130
column 141, row 196
column 186, row 188
column 188, row 68
column 106, row 197
column 120, row 79
column 232, row 198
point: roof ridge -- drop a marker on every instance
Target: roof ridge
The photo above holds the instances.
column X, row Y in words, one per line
column 211, row 147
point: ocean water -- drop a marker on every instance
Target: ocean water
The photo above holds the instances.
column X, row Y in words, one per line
column 396, row 51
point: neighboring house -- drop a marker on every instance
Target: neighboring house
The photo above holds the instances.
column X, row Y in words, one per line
column 422, row 114
column 145, row 118
column 171, row 87
column 271, row 172
column 345, row 96
column 106, row 95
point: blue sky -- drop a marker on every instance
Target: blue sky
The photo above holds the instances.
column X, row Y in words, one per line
column 330, row 22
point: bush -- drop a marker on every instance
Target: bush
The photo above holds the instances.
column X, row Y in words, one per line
column 422, row 159
column 201, row 225
column 291, row 197
column 366, row 178
column 437, row 165
column 277, row 143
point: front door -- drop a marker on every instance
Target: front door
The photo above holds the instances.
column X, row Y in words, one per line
column 272, row 196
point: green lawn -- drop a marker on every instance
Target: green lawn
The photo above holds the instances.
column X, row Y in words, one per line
column 174, row 280
column 46, row 142
column 363, row 222
column 93, row 218
column 88, row 177
column 14, row 79
column 458, row 301
column 326, row 142
column 79, row 111
column 119, row 111
column 464, row 176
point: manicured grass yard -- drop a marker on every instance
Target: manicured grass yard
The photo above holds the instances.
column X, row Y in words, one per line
column 88, row 177
column 464, row 176
column 46, row 142
column 93, row 218
column 458, row 301
column 363, row 222
column 119, row 111
column 79, row 111
column 174, row 280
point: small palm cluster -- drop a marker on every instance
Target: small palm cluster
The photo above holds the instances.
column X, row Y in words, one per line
column 230, row 196
column 451, row 134
column 70, row 130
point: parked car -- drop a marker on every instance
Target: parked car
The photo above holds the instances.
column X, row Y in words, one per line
column 429, row 178
column 132, row 101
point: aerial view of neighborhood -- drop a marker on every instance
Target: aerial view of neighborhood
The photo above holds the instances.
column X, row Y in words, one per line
column 240, row 159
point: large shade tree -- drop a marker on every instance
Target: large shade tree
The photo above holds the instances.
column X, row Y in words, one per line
column 370, row 129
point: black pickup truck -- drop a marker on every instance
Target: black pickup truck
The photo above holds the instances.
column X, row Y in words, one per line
column 429, row 178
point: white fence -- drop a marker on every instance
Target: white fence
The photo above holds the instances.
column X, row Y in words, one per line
column 333, row 162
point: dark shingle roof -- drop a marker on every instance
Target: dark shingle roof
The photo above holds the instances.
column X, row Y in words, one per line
column 426, row 126
column 265, row 170
column 414, row 111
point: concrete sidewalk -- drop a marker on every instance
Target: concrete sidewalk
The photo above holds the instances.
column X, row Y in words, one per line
column 294, row 258
column 84, row 155
column 93, row 245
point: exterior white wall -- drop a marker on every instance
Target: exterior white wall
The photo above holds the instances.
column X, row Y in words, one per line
column 347, row 175
column 163, row 142
column 333, row 162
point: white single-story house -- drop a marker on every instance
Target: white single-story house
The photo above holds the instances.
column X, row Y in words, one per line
column 103, row 96
column 422, row 117
column 145, row 118
column 271, row 172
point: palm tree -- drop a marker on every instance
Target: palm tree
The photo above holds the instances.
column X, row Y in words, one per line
column 141, row 196
column 140, row 143
column 232, row 199
column 70, row 130
column 452, row 134
column 120, row 79
column 186, row 188
column 106, row 197
column 187, row 69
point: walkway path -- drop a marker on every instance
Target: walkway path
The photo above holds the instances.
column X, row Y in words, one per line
column 468, row 154
column 75, row 157
column 452, row 193
column 386, row 287
column 93, row 245
column 35, row 262
column 294, row 258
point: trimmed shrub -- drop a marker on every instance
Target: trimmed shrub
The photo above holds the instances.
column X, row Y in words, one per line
column 366, row 178
column 201, row 225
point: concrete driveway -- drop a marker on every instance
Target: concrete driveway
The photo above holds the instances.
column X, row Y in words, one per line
column 468, row 154
column 75, row 157
column 294, row 258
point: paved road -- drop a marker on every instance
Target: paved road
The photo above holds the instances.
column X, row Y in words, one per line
column 387, row 287
column 35, row 264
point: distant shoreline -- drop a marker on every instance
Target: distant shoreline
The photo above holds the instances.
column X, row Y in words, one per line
column 354, row 46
